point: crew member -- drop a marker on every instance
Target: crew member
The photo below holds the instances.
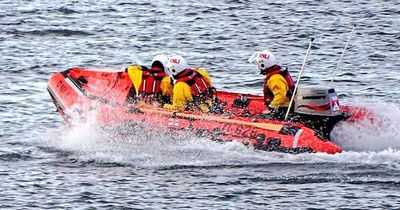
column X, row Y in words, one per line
column 151, row 84
column 278, row 84
column 192, row 89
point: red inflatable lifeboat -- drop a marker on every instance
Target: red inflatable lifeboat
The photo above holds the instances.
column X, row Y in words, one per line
column 77, row 92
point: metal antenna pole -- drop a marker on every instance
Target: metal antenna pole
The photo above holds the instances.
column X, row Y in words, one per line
column 341, row 57
column 298, row 78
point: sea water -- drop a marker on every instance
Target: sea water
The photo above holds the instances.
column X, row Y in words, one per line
column 46, row 164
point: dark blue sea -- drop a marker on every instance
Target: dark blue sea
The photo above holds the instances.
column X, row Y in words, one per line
column 45, row 164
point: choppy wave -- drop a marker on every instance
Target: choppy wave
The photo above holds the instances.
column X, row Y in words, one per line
column 50, row 32
column 15, row 156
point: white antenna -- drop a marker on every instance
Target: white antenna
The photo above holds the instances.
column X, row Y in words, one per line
column 298, row 78
column 341, row 57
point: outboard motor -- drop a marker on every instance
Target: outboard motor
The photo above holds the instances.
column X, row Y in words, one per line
column 317, row 101
column 318, row 108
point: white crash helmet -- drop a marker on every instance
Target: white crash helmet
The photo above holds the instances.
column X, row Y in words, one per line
column 160, row 61
column 263, row 59
column 176, row 64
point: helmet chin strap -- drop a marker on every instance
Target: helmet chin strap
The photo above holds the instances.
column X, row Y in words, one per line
column 264, row 71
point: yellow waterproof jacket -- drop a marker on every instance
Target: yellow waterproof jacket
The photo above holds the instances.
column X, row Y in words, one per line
column 279, row 88
column 182, row 94
column 166, row 87
column 135, row 73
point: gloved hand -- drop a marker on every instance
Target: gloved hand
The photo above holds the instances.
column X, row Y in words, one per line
column 273, row 107
column 267, row 102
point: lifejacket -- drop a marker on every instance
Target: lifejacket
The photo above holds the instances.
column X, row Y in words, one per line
column 151, row 80
column 276, row 69
column 198, row 84
column 204, row 95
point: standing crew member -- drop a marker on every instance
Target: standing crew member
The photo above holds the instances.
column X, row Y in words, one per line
column 151, row 84
column 192, row 88
column 278, row 84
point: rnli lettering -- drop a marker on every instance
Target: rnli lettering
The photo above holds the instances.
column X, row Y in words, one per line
column 175, row 60
column 62, row 87
column 263, row 55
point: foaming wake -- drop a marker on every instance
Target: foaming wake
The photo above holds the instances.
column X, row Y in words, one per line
column 133, row 146
column 380, row 133
column 145, row 145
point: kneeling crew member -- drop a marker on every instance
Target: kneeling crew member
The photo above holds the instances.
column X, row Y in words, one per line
column 192, row 88
column 151, row 84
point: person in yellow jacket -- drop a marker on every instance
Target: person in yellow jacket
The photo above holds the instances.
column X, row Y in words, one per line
column 278, row 84
column 192, row 87
column 151, row 84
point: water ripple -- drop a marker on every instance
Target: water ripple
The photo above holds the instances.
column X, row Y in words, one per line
column 50, row 32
